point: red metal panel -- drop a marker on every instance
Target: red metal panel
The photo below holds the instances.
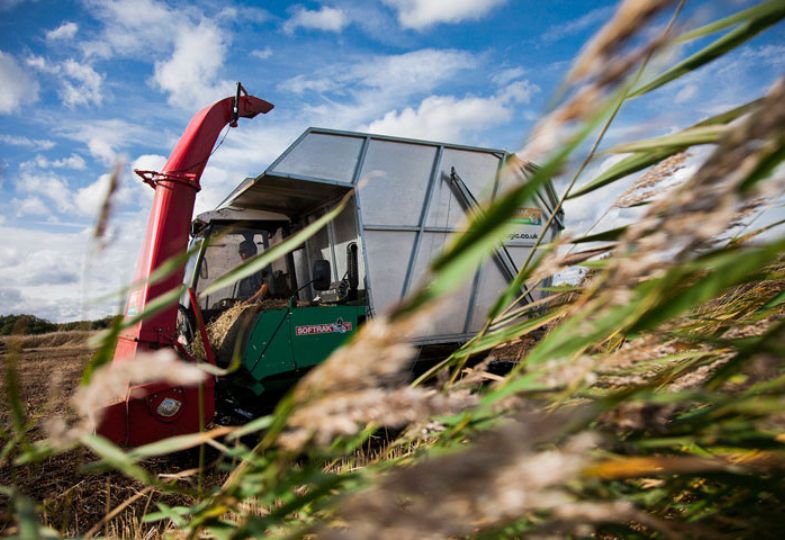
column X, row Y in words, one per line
column 135, row 421
column 170, row 218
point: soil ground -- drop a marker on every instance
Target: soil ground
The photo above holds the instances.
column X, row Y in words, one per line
column 69, row 500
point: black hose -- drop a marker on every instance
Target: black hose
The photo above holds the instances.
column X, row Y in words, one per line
column 352, row 268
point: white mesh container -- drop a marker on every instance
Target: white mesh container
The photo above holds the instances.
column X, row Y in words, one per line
column 411, row 195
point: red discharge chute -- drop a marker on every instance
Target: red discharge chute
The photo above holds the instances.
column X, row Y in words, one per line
column 154, row 411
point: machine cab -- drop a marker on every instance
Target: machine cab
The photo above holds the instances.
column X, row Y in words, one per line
column 224, row 239
column 222, row 242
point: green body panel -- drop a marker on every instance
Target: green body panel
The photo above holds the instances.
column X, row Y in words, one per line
column 284, row 343
column 317, row 331
column 267, row 351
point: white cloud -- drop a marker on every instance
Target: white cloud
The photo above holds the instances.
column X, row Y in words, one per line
column 508, row 75
column 81, row 84
column 10, row 297
column 262, row 54
column 420, row 14
column 187, row 46
column 27, row 142
column 42, row 64
column 686, row 93
column 35, row 252
column 327, row 19
column 518, row 92
column 447, row 118
column 413, row 72
column 44, row 193
column 102, row 149
column 189, row 76
column 30, row 206
column 46, row 186
column 593, row 18
column 357, row 93
column 217, row 183
column 188, row 49
column 105, row 138
column 38, row 161
column 244, row 14
column 65, row 31
column 133, row 27
column 88, row 200
column 443, row 118
column 398, row 95
column 149, row 162
column 767, row 54
column 74, row 161
column 18, row 87
column 46, row 272
column 131, row 192
column 301, row 84
column 394, row 76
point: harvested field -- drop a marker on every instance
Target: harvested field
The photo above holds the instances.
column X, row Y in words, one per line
column 72, row 501
column 49, row 367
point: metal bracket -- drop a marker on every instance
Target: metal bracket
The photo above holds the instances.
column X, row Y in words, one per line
column 236, row 103
column 151, row 178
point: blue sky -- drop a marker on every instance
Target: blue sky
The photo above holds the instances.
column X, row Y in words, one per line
column 85, row 83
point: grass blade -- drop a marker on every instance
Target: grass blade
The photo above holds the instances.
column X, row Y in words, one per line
column 624, row 168
column 732, row 20
column 709, row 134
column 605, row 236
column 768, row 15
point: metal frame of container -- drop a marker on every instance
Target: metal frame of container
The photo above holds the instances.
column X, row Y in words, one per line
column 546, row 200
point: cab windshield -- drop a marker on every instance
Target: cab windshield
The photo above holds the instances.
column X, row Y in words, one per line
column 229, row 247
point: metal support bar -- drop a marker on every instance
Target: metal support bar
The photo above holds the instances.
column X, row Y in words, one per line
column 331, row 242
column 437, row 162
column 482, row 269
column 359, row 220
column 308, row 266
column 472, row 299
column 501, row 255
column 420, row 142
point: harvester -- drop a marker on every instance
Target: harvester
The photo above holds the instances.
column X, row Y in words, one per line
column 409, row 197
